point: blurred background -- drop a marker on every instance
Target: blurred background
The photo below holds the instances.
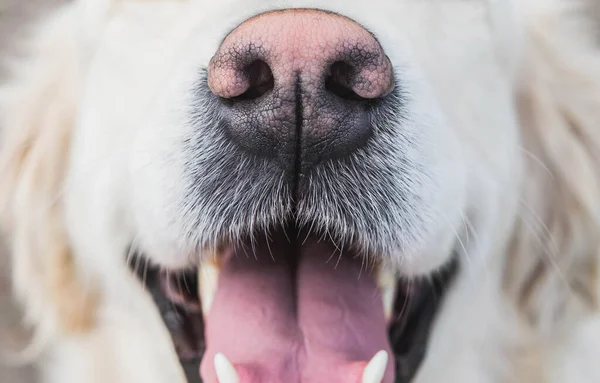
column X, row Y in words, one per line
column 15, row 16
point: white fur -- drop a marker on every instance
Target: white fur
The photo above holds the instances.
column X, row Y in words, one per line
column 120, row 71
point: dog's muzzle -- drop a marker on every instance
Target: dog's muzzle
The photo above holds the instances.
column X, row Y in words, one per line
column 293, row 158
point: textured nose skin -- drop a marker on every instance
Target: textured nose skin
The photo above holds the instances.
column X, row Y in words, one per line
column 297, row 85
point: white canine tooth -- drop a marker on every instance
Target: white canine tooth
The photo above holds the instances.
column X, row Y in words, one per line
column 208, row 275
column 387, row 281
column 225, row 371
column 375, row 369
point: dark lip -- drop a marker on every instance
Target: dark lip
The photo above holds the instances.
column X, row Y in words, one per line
column 415, row 309
column 183, row 324
column 414, row 315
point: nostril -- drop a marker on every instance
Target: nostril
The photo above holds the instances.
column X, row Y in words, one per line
column 260, row 78
column 338, row 81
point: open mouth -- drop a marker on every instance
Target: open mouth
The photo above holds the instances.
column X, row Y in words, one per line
column 288, row 306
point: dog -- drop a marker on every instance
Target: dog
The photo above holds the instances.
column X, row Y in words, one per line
column 306, row 191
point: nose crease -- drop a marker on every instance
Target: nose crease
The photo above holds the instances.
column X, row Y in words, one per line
column 297, row 86
column 299, row 128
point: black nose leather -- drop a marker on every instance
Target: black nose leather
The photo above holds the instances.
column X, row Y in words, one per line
column 303, row 96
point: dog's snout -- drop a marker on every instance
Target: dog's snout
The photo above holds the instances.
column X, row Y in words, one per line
column 298, row 85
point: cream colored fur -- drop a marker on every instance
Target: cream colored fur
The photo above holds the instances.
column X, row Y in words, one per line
column 525, row 306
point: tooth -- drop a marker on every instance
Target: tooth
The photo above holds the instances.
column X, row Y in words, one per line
column 375, row 370
column 225, row 371
column 387, row 282
column 208, row 277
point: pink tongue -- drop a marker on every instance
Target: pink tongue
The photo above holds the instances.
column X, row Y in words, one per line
column 318, row 321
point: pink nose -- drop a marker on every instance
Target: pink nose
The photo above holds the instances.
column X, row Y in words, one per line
column 300, row 77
